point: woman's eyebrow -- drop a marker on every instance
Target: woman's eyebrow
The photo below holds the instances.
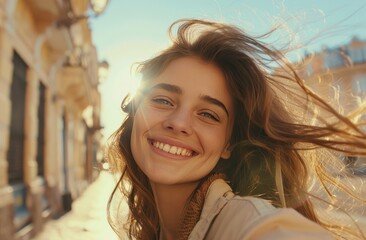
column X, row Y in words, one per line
column 168, row 87
column 215, row 102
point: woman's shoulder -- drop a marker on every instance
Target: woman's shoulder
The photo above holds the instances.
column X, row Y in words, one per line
column 244, row 208
column 229, row 216
column 252, row 210
column 220, row 195
column 253, row 206
column 255, row 218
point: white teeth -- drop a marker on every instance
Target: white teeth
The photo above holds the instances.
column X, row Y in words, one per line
column 172, row 149
column 166, row 148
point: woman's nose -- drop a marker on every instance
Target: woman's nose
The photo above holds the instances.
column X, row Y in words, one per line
column 179, row 121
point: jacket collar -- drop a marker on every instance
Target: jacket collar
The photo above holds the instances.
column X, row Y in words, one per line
column 218, row 189
column 217, row 196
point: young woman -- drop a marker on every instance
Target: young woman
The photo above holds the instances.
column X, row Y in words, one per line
column 217, row 143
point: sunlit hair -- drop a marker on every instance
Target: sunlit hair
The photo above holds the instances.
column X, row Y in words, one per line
column 280, row 129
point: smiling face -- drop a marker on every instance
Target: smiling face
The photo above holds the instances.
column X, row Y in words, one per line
column 183, row 123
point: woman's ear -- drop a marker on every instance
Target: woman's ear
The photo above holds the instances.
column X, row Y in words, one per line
column 227, row 152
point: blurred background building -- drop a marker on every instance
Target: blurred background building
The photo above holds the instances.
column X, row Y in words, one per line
column 338, row 74
column 49, row 110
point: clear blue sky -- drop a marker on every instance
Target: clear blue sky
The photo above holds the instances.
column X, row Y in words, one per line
column 130, row 31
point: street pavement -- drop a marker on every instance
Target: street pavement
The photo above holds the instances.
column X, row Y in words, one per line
column 88, row 218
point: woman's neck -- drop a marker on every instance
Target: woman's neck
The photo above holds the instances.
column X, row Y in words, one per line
column 170, row 201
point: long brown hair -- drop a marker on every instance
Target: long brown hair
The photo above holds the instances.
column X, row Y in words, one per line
column 275, row 141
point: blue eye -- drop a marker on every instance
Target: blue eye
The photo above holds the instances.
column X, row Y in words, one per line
column 209, row 116
column 162, row 101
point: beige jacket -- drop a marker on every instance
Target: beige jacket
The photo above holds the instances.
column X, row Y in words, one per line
column 228, row 216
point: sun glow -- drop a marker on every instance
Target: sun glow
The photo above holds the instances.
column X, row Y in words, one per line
column 135, row 84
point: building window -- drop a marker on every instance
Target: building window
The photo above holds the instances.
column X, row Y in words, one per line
column 357, row 55
column 333, row 58
column 16, row 141
column 41, row 126
column 359, row 84
column 309, row 69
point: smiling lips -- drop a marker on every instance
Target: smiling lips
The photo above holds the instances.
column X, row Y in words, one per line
column 172, row 149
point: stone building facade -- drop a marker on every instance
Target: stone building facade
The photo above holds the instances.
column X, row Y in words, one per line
column 49, row 111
